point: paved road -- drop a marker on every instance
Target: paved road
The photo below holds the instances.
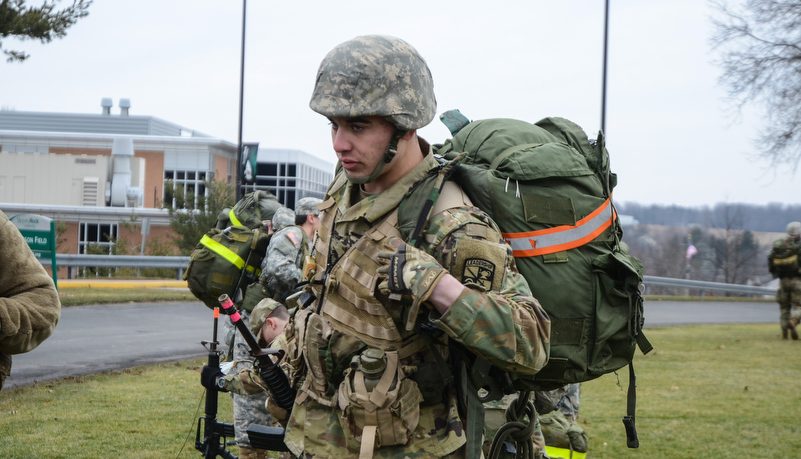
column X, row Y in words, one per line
column 91, row 339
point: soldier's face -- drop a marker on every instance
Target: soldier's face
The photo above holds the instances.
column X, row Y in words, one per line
column 360, row 143
column 272, row 328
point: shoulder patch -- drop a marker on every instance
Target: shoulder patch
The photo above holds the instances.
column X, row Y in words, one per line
column 292, row 237
column 480, row 263
column 478, row 271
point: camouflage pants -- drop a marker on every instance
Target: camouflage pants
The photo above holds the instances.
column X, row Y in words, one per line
column 789, row 298
column 248, row 409
column 570, row 404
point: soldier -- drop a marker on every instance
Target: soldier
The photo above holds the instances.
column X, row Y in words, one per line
column 281, row 270
column 267, row 322
column 289, row 249
column 385, row 314
column 783, row 263
column 250, row 409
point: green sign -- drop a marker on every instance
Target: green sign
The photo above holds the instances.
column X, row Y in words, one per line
column 40, row 234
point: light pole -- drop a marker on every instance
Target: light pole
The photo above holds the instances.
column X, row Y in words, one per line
column 603, row 84
column 238, row 182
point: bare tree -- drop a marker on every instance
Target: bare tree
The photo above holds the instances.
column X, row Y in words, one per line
column 760, row 53
column 734, row 252
column 43, row 23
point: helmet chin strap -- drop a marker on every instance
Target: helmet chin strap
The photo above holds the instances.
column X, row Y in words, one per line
column 392, row 150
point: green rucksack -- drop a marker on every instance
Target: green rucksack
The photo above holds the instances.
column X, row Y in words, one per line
column 549, row 190
column 225, row 261
column 250, row 210
column 238, row 240
column 783, row 259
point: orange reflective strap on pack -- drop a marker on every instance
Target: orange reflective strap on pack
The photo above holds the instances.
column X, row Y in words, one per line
column 561, row 238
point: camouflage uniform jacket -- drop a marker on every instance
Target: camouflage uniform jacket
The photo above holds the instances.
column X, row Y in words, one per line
column 282, row 267
column 495, row 317
column 247, row 381
column 29, row 304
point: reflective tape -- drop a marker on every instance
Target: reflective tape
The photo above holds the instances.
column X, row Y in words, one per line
column 561, row 238
column 563, row 453
column 223, row 251
column 234, row 220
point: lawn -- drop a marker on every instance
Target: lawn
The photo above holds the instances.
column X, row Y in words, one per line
column 707, row 391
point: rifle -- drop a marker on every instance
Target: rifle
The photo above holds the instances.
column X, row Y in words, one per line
column 214, row 431
column 263, row 437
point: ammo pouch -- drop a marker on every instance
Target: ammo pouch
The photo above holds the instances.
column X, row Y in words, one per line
column 254, row 293
column 384, row 416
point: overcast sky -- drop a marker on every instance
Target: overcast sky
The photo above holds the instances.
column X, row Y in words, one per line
column 670, row 138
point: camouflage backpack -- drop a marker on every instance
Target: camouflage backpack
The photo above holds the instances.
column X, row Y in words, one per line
column 783, row 259
column 549, row 190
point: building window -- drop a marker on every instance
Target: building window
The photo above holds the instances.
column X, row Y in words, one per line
column 182, row 188
column 291, row 181
column 97, row 238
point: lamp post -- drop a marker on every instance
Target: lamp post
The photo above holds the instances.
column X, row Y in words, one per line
column 603, row 84
column 238, row 182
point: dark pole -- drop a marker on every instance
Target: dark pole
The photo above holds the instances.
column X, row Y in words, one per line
column 238, row 191
column 603, row 84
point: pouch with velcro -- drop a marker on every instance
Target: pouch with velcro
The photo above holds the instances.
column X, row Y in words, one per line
column 384, row 416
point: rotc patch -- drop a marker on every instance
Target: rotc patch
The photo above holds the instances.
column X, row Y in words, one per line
column 292, row 237
column 480, row 262
column 479, row 271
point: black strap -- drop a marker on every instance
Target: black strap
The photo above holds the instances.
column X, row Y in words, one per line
column 631, row 405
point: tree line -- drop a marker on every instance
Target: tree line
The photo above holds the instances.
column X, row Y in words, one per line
column 772, row 217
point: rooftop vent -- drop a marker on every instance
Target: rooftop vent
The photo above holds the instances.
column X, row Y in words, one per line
column 125, row 104
column 106, row 103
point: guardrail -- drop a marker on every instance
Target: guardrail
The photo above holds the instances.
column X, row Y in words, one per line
column 707, row 286
column 71, row 261
column 179, row 263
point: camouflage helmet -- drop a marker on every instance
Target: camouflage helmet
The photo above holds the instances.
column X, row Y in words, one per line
column 375, row 75
column 794, row 229
column 308, row 206
column 283, row 217
column 260, row 313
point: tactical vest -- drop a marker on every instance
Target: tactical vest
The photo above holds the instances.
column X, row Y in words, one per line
column 350, row 306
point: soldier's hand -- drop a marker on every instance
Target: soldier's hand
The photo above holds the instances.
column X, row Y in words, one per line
column 409, row 271
column 212, row 378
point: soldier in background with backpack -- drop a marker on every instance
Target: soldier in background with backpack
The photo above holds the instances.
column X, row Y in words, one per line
column 783, row 262
column 288, row 260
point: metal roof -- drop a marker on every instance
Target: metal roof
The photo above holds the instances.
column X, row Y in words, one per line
column 90, row 123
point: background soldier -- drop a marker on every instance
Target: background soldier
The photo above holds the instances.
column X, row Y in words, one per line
column 783, row 262
column 250, row 409
column 281, row 270
column 289, row 250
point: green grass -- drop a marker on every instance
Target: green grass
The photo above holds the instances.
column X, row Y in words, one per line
column 82, row 296
column 146, row 412
column 707, row 391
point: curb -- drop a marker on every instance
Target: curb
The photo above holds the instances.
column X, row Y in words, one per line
column 120, row 283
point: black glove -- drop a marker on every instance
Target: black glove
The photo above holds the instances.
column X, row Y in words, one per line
column 212, row 378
